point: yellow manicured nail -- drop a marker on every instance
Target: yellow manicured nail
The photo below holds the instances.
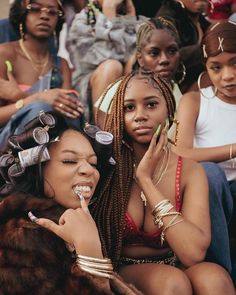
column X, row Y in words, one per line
column 9, row 65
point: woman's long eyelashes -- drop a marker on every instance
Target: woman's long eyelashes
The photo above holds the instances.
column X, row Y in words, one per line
column 68, row 161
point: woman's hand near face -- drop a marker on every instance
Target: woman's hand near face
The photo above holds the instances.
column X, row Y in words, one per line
column 76, row 227
column 147, row 165
column 63, row 102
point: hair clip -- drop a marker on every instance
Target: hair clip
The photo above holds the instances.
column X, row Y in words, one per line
column 232, row 22
column 220, row 47
column 33, row 156
column 204, row 51
column 214, row 26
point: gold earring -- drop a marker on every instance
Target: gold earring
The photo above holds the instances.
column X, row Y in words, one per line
column 21, row 30
column 183, row 73
column 174, row 142
column 200, row 89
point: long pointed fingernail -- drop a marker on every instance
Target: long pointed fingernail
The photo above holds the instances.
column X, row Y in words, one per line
column 32, row 217
column 9, row 65
column 158, row 130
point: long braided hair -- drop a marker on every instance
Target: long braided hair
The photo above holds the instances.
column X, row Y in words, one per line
column 111, row 205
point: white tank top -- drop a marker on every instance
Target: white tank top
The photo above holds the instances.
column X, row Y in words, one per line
column 216, row 126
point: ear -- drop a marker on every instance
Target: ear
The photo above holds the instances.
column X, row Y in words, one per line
column 139, row 58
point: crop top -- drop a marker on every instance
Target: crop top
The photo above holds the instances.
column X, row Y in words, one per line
column 133, row 236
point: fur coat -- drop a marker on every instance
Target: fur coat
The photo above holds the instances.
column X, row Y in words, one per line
column 32, row 259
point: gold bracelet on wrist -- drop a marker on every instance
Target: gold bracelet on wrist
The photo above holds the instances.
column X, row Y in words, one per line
column 19, row 104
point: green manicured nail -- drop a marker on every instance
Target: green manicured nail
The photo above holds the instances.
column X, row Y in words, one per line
column 158, row 130
column 9, row 65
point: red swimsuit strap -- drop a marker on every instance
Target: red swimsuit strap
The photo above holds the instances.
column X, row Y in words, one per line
column 177, row 184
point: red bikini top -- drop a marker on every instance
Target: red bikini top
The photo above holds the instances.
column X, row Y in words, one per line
column 132, row 235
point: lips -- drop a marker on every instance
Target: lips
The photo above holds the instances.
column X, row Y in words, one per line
column 230, row 87
column 142, row 130
column 44, row 26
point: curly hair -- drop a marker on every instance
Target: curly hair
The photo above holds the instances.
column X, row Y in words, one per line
column 18, row 13
column 111, row 205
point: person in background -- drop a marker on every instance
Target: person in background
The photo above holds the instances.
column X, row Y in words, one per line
column 101, row 42
column 31, row 78
column 207, row 119
column 188, row 18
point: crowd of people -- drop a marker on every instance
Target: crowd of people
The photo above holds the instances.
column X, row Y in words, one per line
column 117, row 149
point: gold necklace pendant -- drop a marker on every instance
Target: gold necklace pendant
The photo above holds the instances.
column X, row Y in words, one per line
column 38, row 67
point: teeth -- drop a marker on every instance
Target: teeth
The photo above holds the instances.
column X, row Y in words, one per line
column 81, row 188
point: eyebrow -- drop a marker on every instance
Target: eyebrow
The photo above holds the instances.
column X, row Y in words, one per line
column 145, row 98
column 76, row 154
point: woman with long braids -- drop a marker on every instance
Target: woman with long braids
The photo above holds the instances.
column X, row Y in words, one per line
column 153, row 212
column 32, row 78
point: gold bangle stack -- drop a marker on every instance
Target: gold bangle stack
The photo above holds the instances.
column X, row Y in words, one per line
column 161, row 210
column 98, row 267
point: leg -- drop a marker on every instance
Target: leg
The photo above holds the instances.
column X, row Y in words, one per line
column 210, row 279
column 221, row 206
column 106, row 73
column 157, row 279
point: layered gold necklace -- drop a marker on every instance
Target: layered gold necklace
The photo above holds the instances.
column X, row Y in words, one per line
column 39, row 67
column 158, row 175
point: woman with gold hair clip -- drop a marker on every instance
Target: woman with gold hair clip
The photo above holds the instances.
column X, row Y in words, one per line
column 207, row 126
column 153, row 213
column 31, row 77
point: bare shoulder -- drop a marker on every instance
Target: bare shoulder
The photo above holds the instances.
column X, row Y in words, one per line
column 191, row 98
column 192, row 171
column 8, row 50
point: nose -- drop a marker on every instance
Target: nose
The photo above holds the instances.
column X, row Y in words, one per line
column 163, row 58
column 44, row 13
column 228, row 73
column 140, row 115
column 85, row 168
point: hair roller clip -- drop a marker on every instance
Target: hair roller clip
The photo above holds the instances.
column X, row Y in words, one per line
column 5, row 161
column 33, row 156
column 103, row 139
column 15, row 171
column 43, row 120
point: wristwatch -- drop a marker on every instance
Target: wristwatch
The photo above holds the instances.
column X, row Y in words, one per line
column 19, row 104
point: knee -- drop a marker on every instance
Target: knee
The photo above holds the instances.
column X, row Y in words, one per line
column 110, row 67
column 210, row 278
column 174, row 282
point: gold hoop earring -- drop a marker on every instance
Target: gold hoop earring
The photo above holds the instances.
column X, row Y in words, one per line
column 21, row 31
column 200, row 89
column 183, row 73
column 174, row 142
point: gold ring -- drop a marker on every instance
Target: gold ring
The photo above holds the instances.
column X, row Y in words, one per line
column 60, row 105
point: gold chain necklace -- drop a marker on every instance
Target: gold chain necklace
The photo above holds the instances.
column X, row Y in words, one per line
column 36, row 66
column 161, row 173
